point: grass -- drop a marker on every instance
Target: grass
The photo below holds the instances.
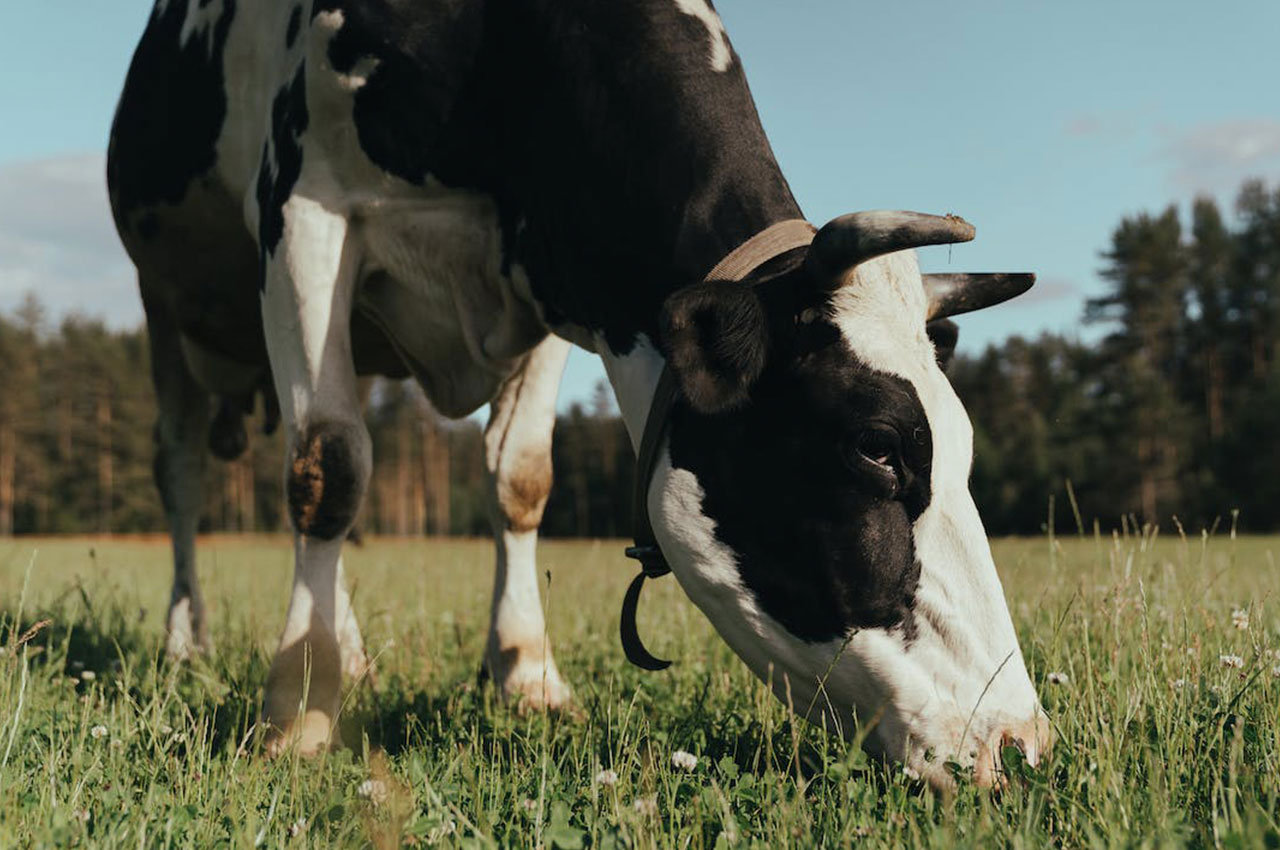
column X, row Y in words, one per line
column 102, row 744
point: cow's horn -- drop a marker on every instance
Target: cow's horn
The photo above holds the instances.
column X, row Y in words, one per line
column 851, row 239
column 953, row 294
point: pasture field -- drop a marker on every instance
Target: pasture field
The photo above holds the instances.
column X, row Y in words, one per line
column 1168, row 718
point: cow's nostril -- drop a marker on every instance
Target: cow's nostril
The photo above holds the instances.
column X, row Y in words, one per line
column 1010, row 741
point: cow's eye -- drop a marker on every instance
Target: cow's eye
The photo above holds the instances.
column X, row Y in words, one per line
column 876, row 453
column 880, row 446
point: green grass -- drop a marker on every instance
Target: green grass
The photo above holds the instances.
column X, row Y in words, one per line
column 143, row 754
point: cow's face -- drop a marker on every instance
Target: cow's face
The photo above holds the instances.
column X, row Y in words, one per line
column 817, row 509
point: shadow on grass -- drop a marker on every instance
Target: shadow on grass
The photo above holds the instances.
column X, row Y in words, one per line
column 120, row 656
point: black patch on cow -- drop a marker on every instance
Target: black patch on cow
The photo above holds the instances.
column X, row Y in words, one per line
column 295, row 25
column 171, row 112
column 148, row 224
column 424, row 54
column 824, row 540
column 288, row 122
column 323, row 487
column 635, row 164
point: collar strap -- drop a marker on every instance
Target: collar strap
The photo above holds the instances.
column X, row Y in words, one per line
column 768, row 244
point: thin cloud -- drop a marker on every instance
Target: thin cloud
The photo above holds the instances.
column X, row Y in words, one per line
column 57, row 241
column 1220, row 156
column 1107, row 125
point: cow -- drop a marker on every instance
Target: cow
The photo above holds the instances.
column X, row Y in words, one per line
column 452, row 189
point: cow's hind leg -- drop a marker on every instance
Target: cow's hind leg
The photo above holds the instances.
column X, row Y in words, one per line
column 518, row 456
column 181, row 431
column 307, row 308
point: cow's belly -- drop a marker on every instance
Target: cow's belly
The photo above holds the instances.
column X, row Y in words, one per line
column 433, row 282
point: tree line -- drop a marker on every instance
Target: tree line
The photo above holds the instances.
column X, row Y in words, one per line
column 76, row 450
column 1173, row 412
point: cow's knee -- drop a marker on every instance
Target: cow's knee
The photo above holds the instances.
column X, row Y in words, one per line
column 328, row 470
column 523, row 484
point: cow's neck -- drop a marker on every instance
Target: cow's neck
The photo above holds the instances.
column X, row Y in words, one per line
column 640, row 163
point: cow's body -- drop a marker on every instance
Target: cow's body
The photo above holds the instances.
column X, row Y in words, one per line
column 426, row 188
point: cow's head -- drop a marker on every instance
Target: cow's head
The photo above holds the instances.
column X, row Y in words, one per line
column 817, row 504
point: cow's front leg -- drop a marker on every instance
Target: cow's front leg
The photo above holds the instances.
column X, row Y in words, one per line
column 518, row 457
column 310, row 279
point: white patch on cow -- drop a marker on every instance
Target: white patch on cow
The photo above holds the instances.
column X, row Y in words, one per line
column 199, row 21
column 721, row 53
column 634, row 378
column 326, row 26
column 330, row 19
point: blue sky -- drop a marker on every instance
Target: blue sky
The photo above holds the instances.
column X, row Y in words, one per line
column 1043, row 124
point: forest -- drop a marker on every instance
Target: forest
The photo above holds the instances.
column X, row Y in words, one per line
column 1169, row 414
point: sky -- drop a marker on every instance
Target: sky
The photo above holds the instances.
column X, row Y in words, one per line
column 1042, row 123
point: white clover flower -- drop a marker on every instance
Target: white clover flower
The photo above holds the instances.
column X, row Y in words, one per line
column 910, row 772
column 1231, row 661
column 1059, row 678
column 1275, row 672
column 647, row 806
column 684, row 761
column 607, row 778
column 449, row 827
column 297, row 827
column 1178, row 684
column 1240, row 619
column 77, row 666
column 373, row 790
column 88, row 676
column 98, row 731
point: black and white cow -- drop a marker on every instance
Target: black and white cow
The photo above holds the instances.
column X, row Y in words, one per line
column 425, row 187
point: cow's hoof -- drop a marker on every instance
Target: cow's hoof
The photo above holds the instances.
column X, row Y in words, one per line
column 303, row 694
column 533, row 688
column 310, row 735
column 187, row 637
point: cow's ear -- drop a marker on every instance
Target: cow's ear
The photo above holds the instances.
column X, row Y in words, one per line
column 944, row 333
column 716, row 338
